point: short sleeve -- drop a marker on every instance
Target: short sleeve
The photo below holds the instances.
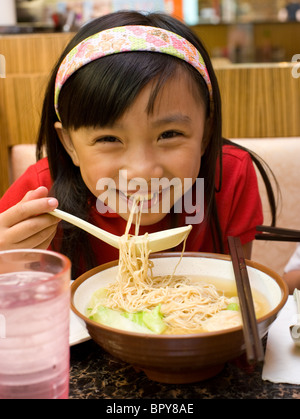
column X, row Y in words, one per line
column 240, row 209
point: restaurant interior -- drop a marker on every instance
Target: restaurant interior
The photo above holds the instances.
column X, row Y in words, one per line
column 255, row 50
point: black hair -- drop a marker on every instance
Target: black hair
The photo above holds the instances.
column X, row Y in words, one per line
column 111, row 84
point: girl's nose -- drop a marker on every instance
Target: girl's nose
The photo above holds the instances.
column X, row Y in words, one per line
column 143, row 162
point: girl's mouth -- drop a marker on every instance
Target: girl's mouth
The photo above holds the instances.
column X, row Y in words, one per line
column 145, row 200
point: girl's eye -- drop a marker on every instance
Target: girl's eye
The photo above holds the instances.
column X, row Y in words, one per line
column 169, row 134
column 107, row 139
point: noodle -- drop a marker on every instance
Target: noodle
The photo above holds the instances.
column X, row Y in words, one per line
column 185, row 305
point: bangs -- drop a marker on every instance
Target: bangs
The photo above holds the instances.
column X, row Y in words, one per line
column 99, row 93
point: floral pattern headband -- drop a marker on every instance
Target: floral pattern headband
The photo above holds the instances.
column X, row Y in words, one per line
column 127, row 39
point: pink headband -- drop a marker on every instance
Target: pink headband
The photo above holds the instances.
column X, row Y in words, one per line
column 127, row 39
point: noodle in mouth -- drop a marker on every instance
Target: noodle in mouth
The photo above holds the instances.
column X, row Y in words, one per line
column 185, row 304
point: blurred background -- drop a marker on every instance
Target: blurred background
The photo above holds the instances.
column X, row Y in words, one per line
column 237, row 30
column 193, row 11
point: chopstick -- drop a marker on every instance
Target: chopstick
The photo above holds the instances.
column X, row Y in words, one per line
column 254, row 348
column 277, row 234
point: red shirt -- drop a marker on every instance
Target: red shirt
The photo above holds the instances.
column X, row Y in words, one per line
column 238, row 203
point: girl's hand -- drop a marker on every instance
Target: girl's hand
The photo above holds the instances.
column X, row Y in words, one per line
column 27, row 224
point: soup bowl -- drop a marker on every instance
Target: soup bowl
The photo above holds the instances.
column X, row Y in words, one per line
column 182, row 358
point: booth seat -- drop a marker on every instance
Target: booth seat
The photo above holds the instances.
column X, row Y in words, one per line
column 21, row 156
column 282, row 156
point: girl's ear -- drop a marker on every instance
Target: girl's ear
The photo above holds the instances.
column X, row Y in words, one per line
column 66, row 141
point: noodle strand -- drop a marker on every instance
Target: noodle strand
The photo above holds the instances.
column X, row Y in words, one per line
column 185, row 305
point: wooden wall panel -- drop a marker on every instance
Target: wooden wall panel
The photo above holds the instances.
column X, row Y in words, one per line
column 20, row 108
column 259, row 101
column 22, row 97
column 36, row 53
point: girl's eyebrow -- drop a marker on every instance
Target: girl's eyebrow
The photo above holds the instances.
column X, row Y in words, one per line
column 169, row 119
column 172, row 118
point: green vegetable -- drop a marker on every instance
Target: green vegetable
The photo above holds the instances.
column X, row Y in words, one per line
column 233, row 307
column 142, row 322
column 152, row 319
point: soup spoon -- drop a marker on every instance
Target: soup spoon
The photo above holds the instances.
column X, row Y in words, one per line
column 157, row 242
column 295, row 328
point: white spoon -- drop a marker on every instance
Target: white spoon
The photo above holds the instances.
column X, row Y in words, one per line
column 159, row 241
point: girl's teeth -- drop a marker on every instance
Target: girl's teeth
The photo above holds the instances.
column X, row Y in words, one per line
column 145, row 197
column 141, row 197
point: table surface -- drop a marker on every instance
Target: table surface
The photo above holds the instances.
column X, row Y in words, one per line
column 95, row 374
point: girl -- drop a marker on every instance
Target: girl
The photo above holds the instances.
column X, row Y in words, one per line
column 133, row 98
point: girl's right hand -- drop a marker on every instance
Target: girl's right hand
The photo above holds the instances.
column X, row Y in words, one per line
column 27, row 224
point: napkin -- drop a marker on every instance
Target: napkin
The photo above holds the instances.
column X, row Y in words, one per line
column 78, row 332
column 282, row 357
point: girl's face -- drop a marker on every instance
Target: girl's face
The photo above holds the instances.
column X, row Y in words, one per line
column 146, row 154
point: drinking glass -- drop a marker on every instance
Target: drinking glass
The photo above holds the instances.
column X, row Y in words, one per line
column 34, row 324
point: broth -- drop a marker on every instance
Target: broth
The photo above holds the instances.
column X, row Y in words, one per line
column 225, row 318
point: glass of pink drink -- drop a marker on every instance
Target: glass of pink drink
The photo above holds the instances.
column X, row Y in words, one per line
column 34, row 324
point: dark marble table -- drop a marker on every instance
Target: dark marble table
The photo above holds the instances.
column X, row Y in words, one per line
column 95, row 374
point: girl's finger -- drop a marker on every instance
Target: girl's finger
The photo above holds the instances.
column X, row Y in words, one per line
column 23, row 230
column 40, row 192
column 39, row 240
column 27, row 209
